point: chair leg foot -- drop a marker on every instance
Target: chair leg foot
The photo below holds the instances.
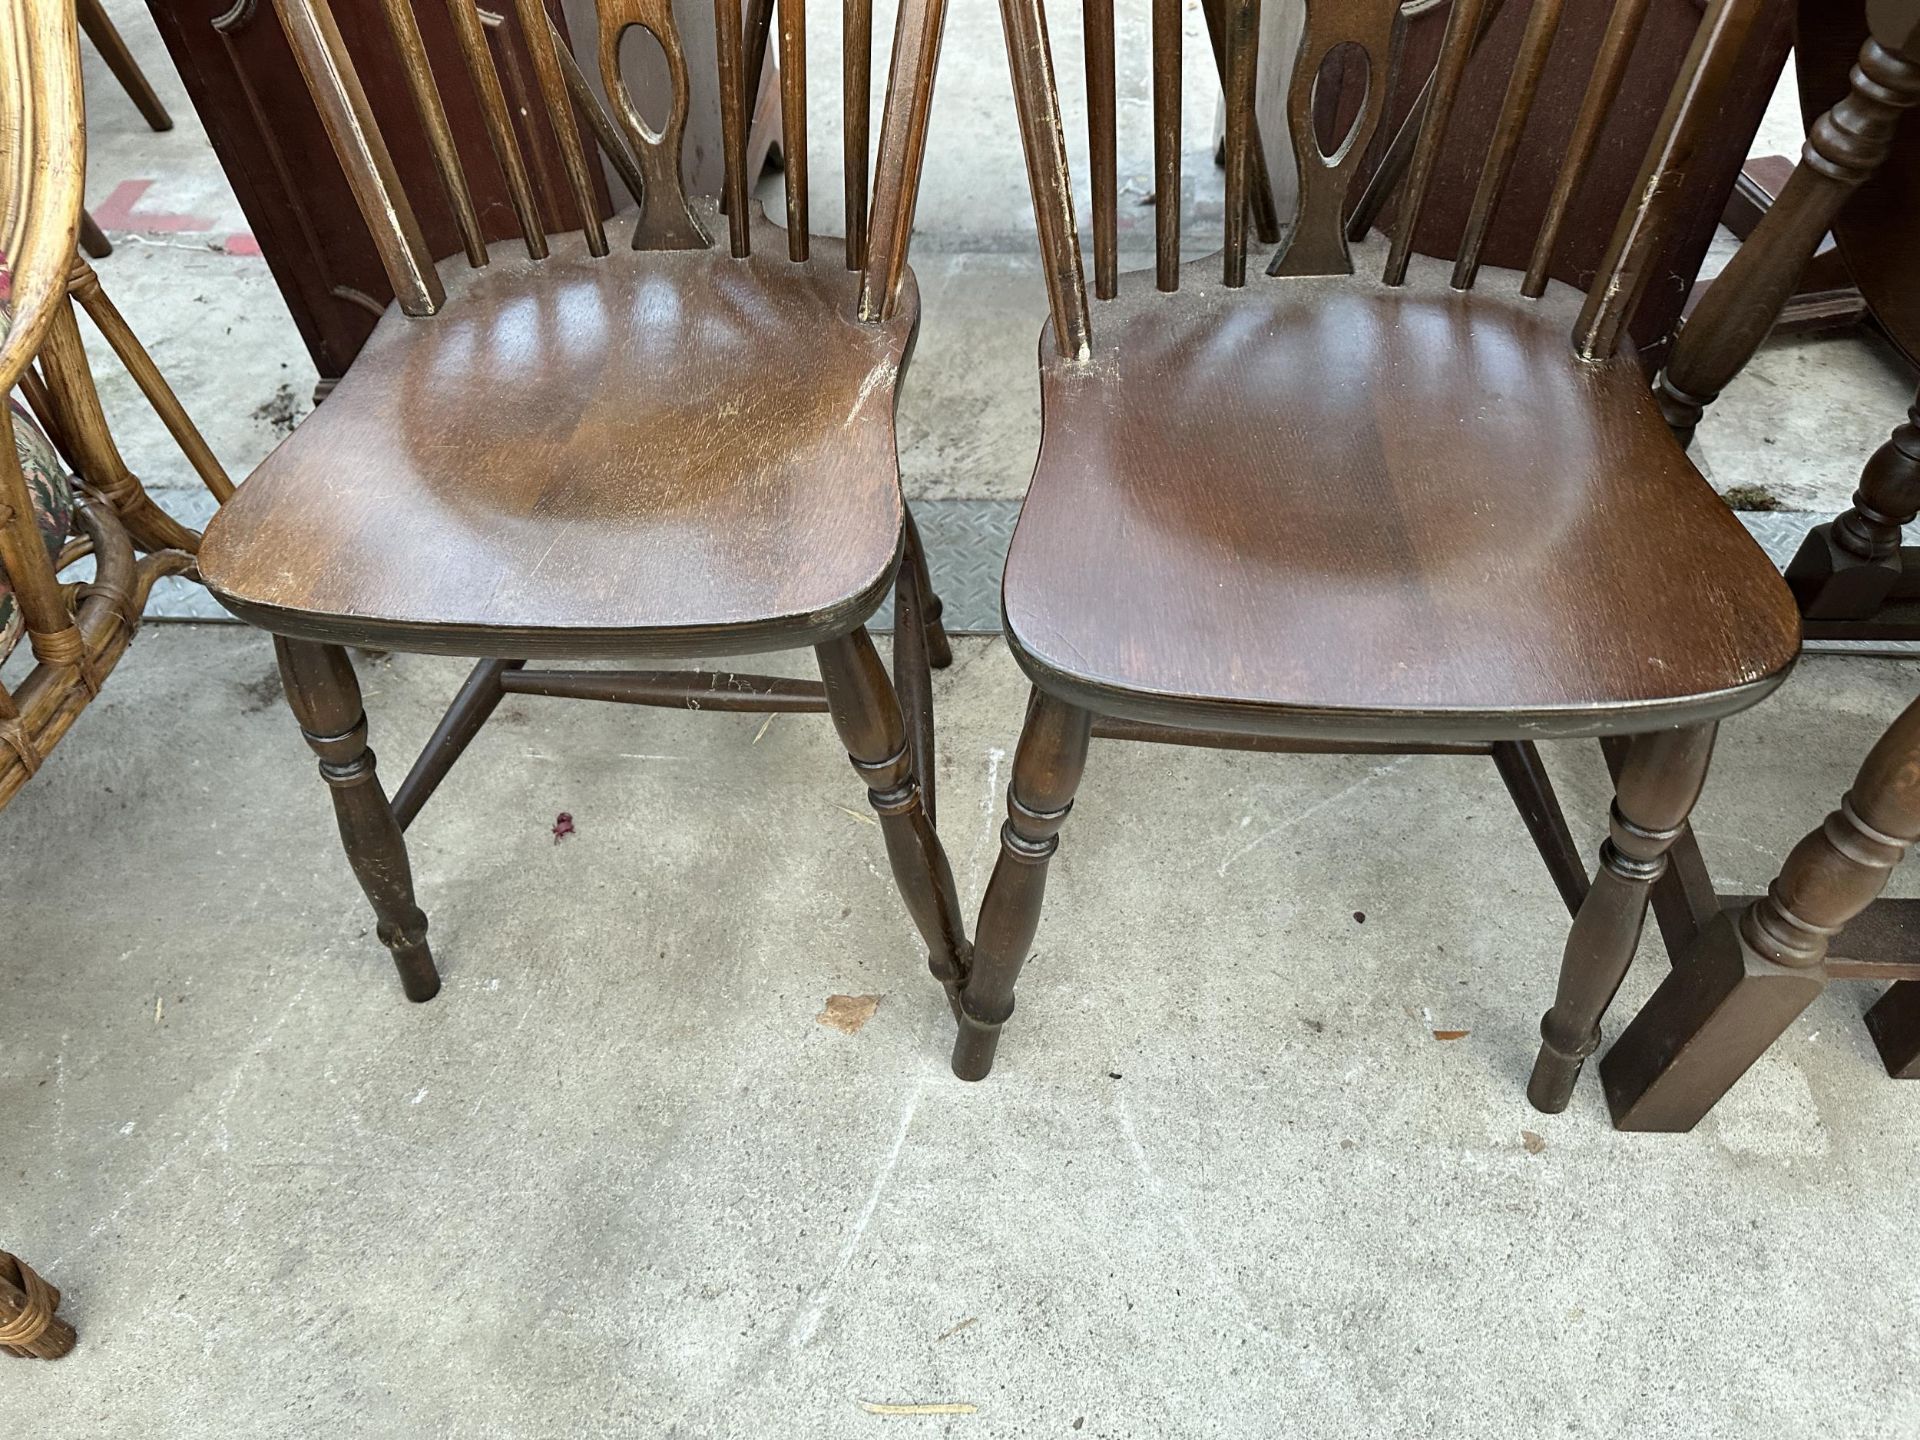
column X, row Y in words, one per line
column 1894, row 1023
column 325, row 698
column 1658, row 784
column 973, row 1047
column 1046, row 772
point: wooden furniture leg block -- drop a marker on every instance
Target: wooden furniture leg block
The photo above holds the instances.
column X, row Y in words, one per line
column 29, row 1328
column 1747, row 977
column 1894, row 1023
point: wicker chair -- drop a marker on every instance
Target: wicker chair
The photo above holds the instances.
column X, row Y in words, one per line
column 52, row 426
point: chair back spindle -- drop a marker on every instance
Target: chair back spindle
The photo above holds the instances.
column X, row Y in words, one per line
column 1329, row 219
column 880, row 199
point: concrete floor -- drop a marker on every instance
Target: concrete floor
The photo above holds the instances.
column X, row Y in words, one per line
column 618, row 1180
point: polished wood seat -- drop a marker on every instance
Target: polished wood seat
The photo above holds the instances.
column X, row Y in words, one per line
column 652, row 452
column 1332, row 506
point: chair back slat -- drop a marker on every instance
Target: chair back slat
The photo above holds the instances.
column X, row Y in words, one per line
column 336, row 90
column 1609, row 68
column 537, row 30
column 903, row 145
column 1103, row 146
column 856, row 81
column 1684, row 127
column 1243, row 45
column 1266, row 217
column 1528, row 66
column 1166, row 142
column 1036, row 101
column 793, row 121
column 1463, row 28
column 1392, row 169
column 667, row 221
column 613, row 144
column 404, row 26
column 1317, row 244
column 733, row 125
column 477, row 57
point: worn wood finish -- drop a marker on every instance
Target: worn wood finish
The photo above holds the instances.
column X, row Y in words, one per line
column 1749, row 975
column 325, row 698
column 1844, row 147
column 856, row 75
column 654, row 453
column 1659, row 782
column 1463, row 608
column 557, row 421
column 867, row 716
column 1046, row 773
column 1103, row 161
column 106, row 38
column 917, row 33
column 1257, row 520
column 793, row 121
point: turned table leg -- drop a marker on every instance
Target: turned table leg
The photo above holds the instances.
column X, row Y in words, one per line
column 1746, row 978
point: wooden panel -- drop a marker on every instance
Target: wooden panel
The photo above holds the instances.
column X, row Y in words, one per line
column 245, row 85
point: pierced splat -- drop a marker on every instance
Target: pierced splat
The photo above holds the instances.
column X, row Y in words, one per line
column 1318, row 243
column 667, row 222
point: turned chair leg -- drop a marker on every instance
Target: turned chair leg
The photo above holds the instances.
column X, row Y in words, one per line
column 1746, row 979
column 939, row 649
column 1653, row 796
column 867, row 716
column 325, row 698
column 1518, row 762
column 1046, row 772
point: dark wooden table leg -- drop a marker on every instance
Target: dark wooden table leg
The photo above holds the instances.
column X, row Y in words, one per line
column 1847, row 569
column 1749, row 976
column 1656, row 789
column 1046, row 772
column 866, row 713
column 29, row 1328
column 325, row 698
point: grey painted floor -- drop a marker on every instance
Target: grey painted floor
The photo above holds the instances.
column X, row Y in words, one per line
column 619, row 1181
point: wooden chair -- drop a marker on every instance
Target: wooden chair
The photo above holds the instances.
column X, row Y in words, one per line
column 78, row 630
column 677, row 447
column 1325, row 512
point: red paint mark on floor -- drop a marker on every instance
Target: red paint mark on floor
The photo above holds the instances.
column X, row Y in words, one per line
column 120, row 211
column 241, row 242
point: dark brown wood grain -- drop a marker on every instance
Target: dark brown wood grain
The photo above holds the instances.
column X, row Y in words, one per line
column 1288, row 474
column 590, row 457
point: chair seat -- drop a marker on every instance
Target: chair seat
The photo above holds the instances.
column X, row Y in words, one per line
column 649, row 453
column 1327, row 507
column 52, row 493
